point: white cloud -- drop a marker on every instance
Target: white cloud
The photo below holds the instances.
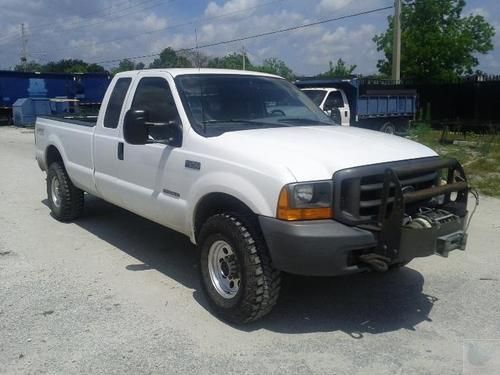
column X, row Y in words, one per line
column 352, row 45
column 480, row 12
column 229, row 7
column 325, row 6
column 490, row 64
column 331, row 5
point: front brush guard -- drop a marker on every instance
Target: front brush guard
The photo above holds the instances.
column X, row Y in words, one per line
column 392, row 211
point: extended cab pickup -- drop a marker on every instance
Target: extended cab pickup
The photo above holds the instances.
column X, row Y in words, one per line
column 256, row 175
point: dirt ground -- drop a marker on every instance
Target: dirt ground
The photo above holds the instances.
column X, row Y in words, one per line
column 114, row 293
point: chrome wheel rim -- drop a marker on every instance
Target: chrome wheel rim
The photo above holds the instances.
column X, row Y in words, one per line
column 224, row 270
column 55, row 191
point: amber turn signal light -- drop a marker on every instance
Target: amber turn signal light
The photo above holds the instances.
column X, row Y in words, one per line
column 286, row 212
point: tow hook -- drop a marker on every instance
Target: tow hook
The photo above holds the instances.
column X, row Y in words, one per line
column 376, row 262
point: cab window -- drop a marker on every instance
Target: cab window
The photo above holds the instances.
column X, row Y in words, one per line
column 334, row 100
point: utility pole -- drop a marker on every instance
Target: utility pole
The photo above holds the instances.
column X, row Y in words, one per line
column 24, row 52
column 244, row 56
column 396, row 45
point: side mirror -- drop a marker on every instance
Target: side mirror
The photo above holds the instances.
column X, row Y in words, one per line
column 135, row 130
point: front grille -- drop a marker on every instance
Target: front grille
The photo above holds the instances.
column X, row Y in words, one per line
column 371, row 188
column 358, row 192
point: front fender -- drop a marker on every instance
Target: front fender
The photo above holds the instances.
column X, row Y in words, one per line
column 260, row 201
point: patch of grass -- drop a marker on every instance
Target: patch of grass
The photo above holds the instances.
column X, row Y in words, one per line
column 479, row 155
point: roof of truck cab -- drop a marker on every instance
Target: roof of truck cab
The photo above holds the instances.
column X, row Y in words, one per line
column 182, row 71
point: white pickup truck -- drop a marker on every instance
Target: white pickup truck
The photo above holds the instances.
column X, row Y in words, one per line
column 256, row 175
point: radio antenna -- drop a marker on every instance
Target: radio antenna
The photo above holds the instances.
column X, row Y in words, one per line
column 24, row 51
column 197, row 49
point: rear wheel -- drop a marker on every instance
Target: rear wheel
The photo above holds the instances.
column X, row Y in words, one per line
column 237, row 277
column 388, row 128
column 65, row 200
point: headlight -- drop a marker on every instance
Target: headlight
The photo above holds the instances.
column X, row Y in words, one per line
column 306, row 201
column 303, row 194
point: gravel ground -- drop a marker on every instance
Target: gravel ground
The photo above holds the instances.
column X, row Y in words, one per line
column 114, row 293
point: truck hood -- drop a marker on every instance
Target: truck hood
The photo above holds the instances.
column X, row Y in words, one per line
column 315, row 153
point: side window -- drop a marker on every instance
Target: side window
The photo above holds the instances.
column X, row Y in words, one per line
column 115, row 103
column 154, row 96
column 334, row 100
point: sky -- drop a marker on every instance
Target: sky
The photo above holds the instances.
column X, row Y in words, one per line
column 105, row 30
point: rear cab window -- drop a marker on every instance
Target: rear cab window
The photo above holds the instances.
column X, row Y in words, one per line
column 115, row 103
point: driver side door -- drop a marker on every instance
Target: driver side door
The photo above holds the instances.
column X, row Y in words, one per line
column 146, row 169
column 337, row 108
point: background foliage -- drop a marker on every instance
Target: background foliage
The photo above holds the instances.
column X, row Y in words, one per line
column 438, row 42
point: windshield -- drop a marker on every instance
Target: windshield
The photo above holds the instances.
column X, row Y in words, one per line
column 217, row 103
column 316, row 96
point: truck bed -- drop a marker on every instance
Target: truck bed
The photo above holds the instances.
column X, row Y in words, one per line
column 369, row 104
column 89, row 121
column 373, row 106
column 68, row 134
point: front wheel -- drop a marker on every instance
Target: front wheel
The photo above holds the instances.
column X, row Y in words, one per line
column 237, row 277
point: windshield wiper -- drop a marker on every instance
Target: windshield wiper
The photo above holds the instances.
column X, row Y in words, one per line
column 305, row 120
column 233, row 120
column 237, row 124
column 242, row 121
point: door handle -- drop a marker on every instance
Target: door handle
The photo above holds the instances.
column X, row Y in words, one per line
column 120, row 150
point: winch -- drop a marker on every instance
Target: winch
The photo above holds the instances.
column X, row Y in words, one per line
column 427, row 218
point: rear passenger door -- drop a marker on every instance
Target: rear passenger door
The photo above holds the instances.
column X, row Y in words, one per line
column 108, row 142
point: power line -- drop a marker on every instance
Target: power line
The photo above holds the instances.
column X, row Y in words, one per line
column 6, row 36
column 194, row 21
column 254, row 36
column 142, row 5
column 78, row 23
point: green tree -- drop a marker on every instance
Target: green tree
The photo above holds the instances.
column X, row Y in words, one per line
column 31, row 66
column 339, row 70
column 66, row 66
column 197, row 58
column 437, row 41
column 95, row 68
column 231, row 61
column 276, row 66
column 123, row 66
column 71, row 66
column 169, row 58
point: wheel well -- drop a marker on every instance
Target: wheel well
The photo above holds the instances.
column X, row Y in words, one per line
column 215, row 203
column 53, row 155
